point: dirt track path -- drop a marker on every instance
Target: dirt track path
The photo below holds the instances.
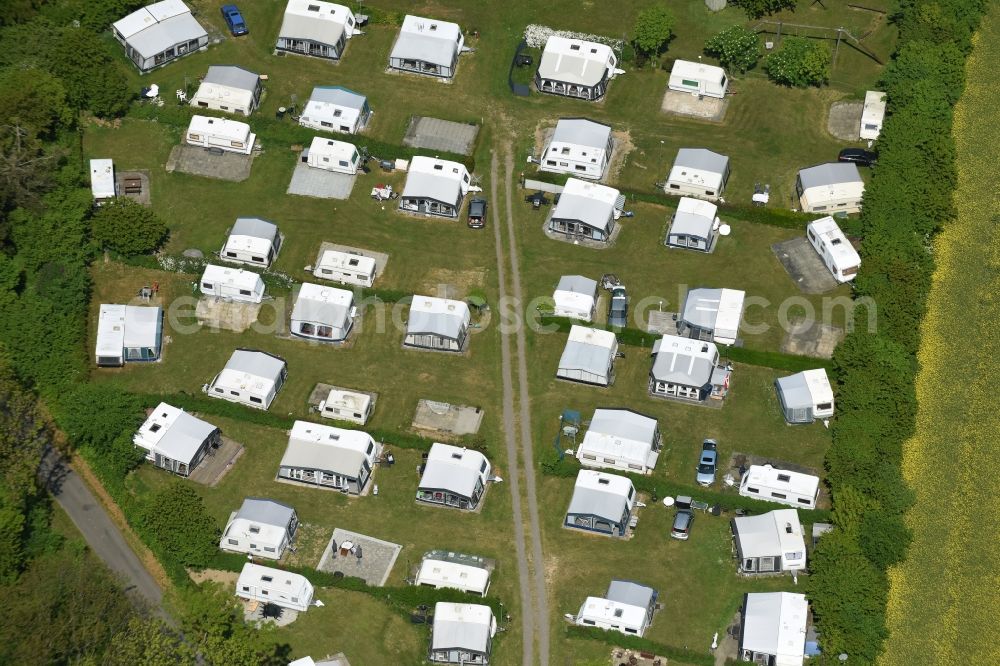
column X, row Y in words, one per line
column 510, row 437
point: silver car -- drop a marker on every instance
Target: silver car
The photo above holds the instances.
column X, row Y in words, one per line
column 682, row 524
column 708, row 463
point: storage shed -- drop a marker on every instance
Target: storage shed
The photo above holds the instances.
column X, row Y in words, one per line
column 435, row 187
column 621, row 439
column 773, row 630
column 601, row 503
column 575, row 297
column 232, row 284
column 780, row 485
column 771, row 542
column 252, row 378
column 336, row 109
column 712, row 314
column 575, row 68
column 872, row 115
column 174, row 440
column 330, row 155
column 221, row 133
column 274, row 586
column 805, row 396
column 586, row 211
column 453, row 476
column 440, row 324
column 627, row 607
column 262, row 527
column 427, row 46
column 832, row 246
column 698, row 79
column 579, row 147
column 694, row 225
column 128, row 333
column 346, row 268
column 316, row 28
column 462, row 634
column 229, row 88
column 329, row 457
column 102, row 181
column 689, row 370
column 252, row 241
column 834, row 187
column 699, row 173
column 159, row 33
column 589, row 356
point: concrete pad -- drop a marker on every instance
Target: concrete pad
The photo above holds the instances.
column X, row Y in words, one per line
column 844, row 121
column 199, row 161
column 447, row 418
column 811, row 338
column 375, row 564
column 217, row 463
column 381, row 258
column 320, row 183
column 438, row 134
column 664, row 323
column 143, row 196
column 688, row 105
column 227, row 315
column 804, row 266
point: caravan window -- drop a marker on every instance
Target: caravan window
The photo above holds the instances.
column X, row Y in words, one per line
column 256, row 400
column 824, row 406
column 231, row 254
column 234, row 542
column 207, row 285
column 244, row 292
column 689, row 83
column 260, row 259
column 784, row 477
column 807, row 502
column 779, row 495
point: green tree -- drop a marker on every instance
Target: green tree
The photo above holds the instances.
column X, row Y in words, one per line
column 653, row 29
column 148, row 642
column 175, row 518
column 799, row 62
column 128, row 227
column 34, row 99
column 737, row 48
column 214, row 629
column 757, row 8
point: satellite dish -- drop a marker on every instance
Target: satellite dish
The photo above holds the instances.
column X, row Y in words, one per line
column 725, row 230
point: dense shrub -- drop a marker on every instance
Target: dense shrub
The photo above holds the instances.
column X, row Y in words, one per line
column 128, row 227
column 737, row 48
column 757, row 8
column 799, row 62
column 175, row 519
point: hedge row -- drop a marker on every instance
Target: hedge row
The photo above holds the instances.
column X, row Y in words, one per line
column 634, row 337
column 280, row 134
column 775, row 217
column 907, row 201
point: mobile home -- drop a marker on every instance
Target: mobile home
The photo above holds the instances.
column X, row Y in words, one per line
column 832, row 246
column 221, row 133
column 316, row 28
column 323, row 313
column 229, row 88
column 329, row 457
column 699, row 173
column 626, row 607
column 805, row 396
column 698, row 79
column 447, row 570
column 346, row 268
column 836, row 187
column 434, row 187
column 128, row 333
column 252, row 378
column 438, row 324
column 336, row 109
column 262, row 527
column 453, row 476
column 575, row 68
column 347, row 406
column 620, row 439
column 232, row 284
column 252, row 241
column 174, row 440
column 330, row 155
column 274, row 586
column 579, row 147
column 102, row 181
column 771, row 542
column 586, row 211
column 688, row 370
column 779, row 485
column 427, row 46
column 159, row 33
column 872, row 115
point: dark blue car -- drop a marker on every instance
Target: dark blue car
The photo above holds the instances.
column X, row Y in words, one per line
column 234, row 20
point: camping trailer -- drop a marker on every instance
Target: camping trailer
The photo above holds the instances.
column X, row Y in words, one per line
column 330, row 155
column 783, row 486
column 440, row 324
column 589, row 356
column 174, row 440
column 769, row 543
column 601, row 503
column 698, row 79
column 230, row 89
column 252, row 378
column 575, row 68
column 698, row 172
column 329, row 457
column 687, row 370
column 323, row 313
column 579, row 147
column 462, row 634
column 262, row 528
column 832, row 246
column 694, row 225
column 336, row 109
column 626, row 607
column 835, row 186
column 274, row 586
column 128, row 333
column 621, row 439
column 434, row 187
column 427, row 46
column 805, row 396
column 347, row 406
column 316, row 28
column 159, row 33
column 253, row 241
column 221, row 133
column 102, row 181
column 586, row 211
column 872, row 115
column 346, row 268
column 575, row 297
column 449, row 570
column 773, row 628
column 453, row 476
column 712, row 315
column 232, row 284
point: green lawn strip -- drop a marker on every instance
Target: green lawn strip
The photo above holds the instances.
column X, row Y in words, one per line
column 618, row 639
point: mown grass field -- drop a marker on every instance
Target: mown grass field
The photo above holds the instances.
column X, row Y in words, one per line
column 942, row 602
column 769, row 133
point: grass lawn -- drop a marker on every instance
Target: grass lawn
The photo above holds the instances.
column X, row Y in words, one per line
column 769, row 133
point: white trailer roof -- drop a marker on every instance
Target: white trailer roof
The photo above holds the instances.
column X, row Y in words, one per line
column 353, row 400
column 621, row 434
column 718, row 310
column 427, row 40
column 775, row 623
column 768, row 534
column 575, row 61
column 679, row 360
column 806, row 389
column 270, row 519
column 322, row 304
column 338, row 150
column 172, row 432
column 316, row 21
column 149, row 15
column 603, row 611
column 694, row 217
column 232, row 130
column 454, row 575
column 317, row 446
column 462, row 626
column 603, row 495
column 142, row 326
column 437, row 316
column 454, row 469
column 843, row 253
column 111, row 330
column 590, row 203
column 440, row 180
column 247, row 367
column 268, row 578
column 235, row 277
column 697, row 70
column 798, row 483
column 576, row 293
column 102, row 178
column 872, row 114
column 346, row 261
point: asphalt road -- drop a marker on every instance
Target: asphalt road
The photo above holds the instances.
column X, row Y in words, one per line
column 100, row 532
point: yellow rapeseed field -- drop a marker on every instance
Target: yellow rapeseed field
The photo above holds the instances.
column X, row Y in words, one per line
column 944, row 603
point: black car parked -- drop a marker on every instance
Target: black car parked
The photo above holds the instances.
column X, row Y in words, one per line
column 477, row 213
column 859, row 156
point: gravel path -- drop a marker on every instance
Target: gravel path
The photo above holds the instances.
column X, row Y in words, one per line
column 510, row 438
